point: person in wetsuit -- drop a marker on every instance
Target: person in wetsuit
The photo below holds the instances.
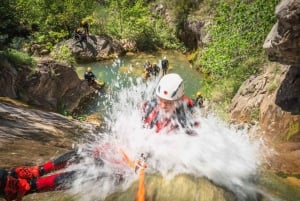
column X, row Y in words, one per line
column 17, row 182
column 90, row 77
column 171, row 109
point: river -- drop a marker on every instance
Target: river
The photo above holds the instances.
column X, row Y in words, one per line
column 107, row 71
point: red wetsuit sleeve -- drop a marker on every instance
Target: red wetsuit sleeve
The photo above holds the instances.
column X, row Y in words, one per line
column 60, row 181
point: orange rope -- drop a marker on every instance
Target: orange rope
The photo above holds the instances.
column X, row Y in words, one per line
column 141, row 193
column 127, row 159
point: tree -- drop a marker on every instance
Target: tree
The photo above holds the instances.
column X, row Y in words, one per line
column 11, row 25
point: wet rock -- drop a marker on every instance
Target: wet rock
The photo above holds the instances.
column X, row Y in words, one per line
column 30, row 136
column 255, row 101
column 191, row 34
column 95, row 48
column 180, row 188
column 283, row 45
column 283, row 42
column 51, row 85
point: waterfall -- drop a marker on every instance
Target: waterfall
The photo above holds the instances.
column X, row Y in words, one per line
column 219, row 152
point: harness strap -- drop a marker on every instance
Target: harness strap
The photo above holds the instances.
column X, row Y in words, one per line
column 152, row 116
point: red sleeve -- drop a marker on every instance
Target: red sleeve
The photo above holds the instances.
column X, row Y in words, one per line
column 189, row 101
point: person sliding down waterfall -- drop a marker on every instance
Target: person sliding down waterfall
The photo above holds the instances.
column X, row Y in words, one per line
column 20, row 181
column 171, row 109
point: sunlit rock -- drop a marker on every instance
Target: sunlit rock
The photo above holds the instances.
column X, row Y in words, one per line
column 180, row 188
column 31, row 136
column 255, row 102
column 283, row 45
column 50, row 85
column 95, row 48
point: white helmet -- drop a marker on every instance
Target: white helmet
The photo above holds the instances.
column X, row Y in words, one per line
column 170, row 87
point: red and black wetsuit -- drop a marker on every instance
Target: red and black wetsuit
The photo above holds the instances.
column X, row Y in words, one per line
column 20, row 181
column 151, row 116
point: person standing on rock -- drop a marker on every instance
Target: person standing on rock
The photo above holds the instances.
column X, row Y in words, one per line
column 164, row 65
column 85, row 26
column 79, row 35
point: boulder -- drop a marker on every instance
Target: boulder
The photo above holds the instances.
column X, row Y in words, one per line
column 51, row 85
column 32, row 136
column 95, row 48
column 283, row 45
column 255, row 103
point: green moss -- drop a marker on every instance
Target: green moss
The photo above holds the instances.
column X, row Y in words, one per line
column 64, row 54
column 16, row 57
column 255, row 114
column 276, row 185
column 293, row 129
column 235, row 51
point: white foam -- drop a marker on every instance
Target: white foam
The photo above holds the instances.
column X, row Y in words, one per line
column 220, row 153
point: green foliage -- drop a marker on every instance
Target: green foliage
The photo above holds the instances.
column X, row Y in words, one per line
column 132, row 20
column 64, row 54
column 236, row 37
column 294, row 128
column 16, row 57
column 126, row 18
column 61, row 107
column 50, row 21
column 82, row 118
column 273, row 80
column 11, row 23
column 99, row 20
column 165, row 37
column 53, row 20
column 255, row 113
column 273, row 86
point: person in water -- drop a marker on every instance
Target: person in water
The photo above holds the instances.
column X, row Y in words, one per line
column 171, row 109
column 20, row 181
column 155, row 69
column 164, row 65
column 199, row 99
column 90, row 77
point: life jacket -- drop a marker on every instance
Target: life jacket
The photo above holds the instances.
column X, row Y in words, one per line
column 164, row 64
column 151, row 117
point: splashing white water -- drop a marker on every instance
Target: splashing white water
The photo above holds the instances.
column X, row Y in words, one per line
column 220, row 153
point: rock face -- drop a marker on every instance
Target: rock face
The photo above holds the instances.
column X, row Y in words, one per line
column 288, row 96
column 52, row 85
column 180, row 188
column 255, row 101
column 276, row 96
column 31, row 136
column 191, row 34
column 283, row 42
column 283, row 45
column 95, row 48
column 8, row 79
